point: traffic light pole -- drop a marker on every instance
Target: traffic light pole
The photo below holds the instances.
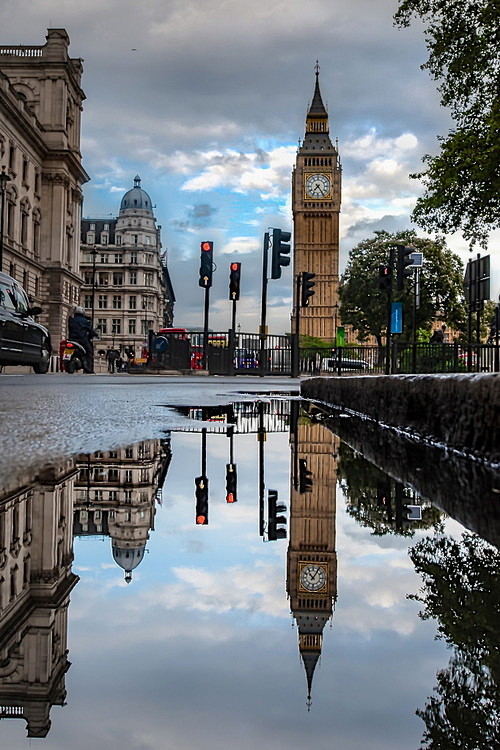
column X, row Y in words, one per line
column 265, row 251
column 296, row 334
column 205, row 328
column 389, row 314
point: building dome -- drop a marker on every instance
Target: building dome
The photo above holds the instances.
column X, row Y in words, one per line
column 128, row 558
column 136, row 199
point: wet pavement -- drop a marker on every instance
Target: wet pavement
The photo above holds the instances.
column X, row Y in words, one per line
column 126, row 621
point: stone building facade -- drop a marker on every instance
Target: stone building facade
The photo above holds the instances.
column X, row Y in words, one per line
column 40, row 111
column 127, row 289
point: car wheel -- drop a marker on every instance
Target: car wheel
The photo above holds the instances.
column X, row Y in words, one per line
column 43, row 366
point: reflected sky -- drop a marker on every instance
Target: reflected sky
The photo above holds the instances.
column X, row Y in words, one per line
column 200, row 649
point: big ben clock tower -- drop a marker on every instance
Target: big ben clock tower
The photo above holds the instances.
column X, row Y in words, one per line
column 312, row 556
column 316, row 195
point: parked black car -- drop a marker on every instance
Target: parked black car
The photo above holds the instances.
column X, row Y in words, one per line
column 23, row 341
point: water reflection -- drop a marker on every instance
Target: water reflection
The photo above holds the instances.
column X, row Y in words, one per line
column 116, row 497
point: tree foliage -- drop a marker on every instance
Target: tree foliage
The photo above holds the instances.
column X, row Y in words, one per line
column 364, row 305
column 461, row 590
column 463, row 181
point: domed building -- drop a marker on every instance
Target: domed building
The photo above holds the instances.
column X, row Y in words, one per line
column 127, row 289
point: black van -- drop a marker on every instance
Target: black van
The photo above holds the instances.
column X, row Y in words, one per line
column 23, row 341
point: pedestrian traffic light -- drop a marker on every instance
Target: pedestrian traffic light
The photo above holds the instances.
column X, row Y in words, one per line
column 305, row 477
column 201, row 484
column 307, row 288
column 384, row 277
column 231, row 483
column 206, row 264
column 280, row 252
column 275, row 521
column 404, row 265
column 234, row 281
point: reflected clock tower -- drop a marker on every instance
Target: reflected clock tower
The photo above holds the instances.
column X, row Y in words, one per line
column 312, row 558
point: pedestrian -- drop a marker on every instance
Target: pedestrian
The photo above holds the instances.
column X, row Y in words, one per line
column 119, row 364
column 111, row 356
column 80, row 330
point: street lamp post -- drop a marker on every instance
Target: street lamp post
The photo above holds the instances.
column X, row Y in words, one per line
column 335, row 314
column 4, row 179
column 94, row 255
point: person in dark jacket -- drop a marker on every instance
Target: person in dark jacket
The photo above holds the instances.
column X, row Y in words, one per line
column 81, row 331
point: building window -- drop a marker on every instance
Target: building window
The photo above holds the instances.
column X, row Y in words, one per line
column 25, row 171
column 87, row 277
column 117, row 279
column 148, row 239
column 102, row 302
column 117, row 301
column 133, row 278
column 90, row 238
column 133, row 256
column 118, row 239
column 146, row 326
column 119, row 258
column 135, row 239
column 149, row 258
column 128, row 476
column 103, row 279
column 104, row 258
column 102, row 325
column 116, row 326
column 88, row 300
column 132, row 302
column 148, row 278
column 92, row 226
column 104, row 239
column 131, row 325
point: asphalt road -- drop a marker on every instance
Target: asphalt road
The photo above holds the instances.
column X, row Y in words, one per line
column 48, row 417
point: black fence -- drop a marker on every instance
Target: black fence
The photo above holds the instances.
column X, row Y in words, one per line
column 249, row 354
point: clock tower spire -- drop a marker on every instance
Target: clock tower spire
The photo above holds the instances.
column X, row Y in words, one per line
column 316, row 196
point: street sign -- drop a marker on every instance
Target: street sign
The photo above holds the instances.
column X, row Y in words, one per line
column 397, row 317
column 417, row 260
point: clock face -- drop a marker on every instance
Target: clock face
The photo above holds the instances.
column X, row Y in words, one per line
column 318, row 185
column 313, row 577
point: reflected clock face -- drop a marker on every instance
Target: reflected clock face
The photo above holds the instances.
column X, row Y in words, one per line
column 318, row 186
column 313, row 577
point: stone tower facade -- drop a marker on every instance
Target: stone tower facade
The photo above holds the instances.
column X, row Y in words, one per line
column 316, row 198
column 312, row 556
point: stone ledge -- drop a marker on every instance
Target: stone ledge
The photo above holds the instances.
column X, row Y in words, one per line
column 460, row 412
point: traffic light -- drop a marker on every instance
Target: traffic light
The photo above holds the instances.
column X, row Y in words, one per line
column 201, row 484
column 234, row 281
column 275, row 522
column 231, row 495
column 305, row 477
column 280, row 252
column 306, row 288
column 403, row 265
column 206, row 264
column 384, row 278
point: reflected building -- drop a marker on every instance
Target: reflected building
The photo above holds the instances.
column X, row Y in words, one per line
column 312, row 557
column 36, row 554
column 115, row 495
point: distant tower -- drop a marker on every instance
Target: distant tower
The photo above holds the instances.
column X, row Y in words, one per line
column 312, row 557
column 316, row 194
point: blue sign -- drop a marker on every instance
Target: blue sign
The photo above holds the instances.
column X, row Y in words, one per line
column 397, row 317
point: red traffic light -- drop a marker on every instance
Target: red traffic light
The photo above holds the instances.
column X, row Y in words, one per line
column 230, row 497
column 235, row 266
column 207, row 246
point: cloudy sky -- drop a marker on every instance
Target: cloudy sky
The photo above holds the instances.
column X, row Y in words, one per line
column 206, row 101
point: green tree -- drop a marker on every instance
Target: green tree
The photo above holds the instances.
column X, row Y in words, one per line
column 364, row 305
column 461, row 590
column 463, row 181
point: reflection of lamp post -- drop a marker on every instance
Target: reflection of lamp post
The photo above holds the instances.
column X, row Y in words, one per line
column 94, row 255
column 4, row 179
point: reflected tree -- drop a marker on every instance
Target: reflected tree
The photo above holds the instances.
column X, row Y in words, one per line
column 462, row 592
column 377, row 502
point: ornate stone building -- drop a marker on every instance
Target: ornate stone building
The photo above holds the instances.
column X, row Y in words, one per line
column 312, row 556
column 127, row 289
column 36, row 555
column 40, row 110
column 316, row 196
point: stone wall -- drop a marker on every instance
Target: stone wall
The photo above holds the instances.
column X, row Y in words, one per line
column 460, row 412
